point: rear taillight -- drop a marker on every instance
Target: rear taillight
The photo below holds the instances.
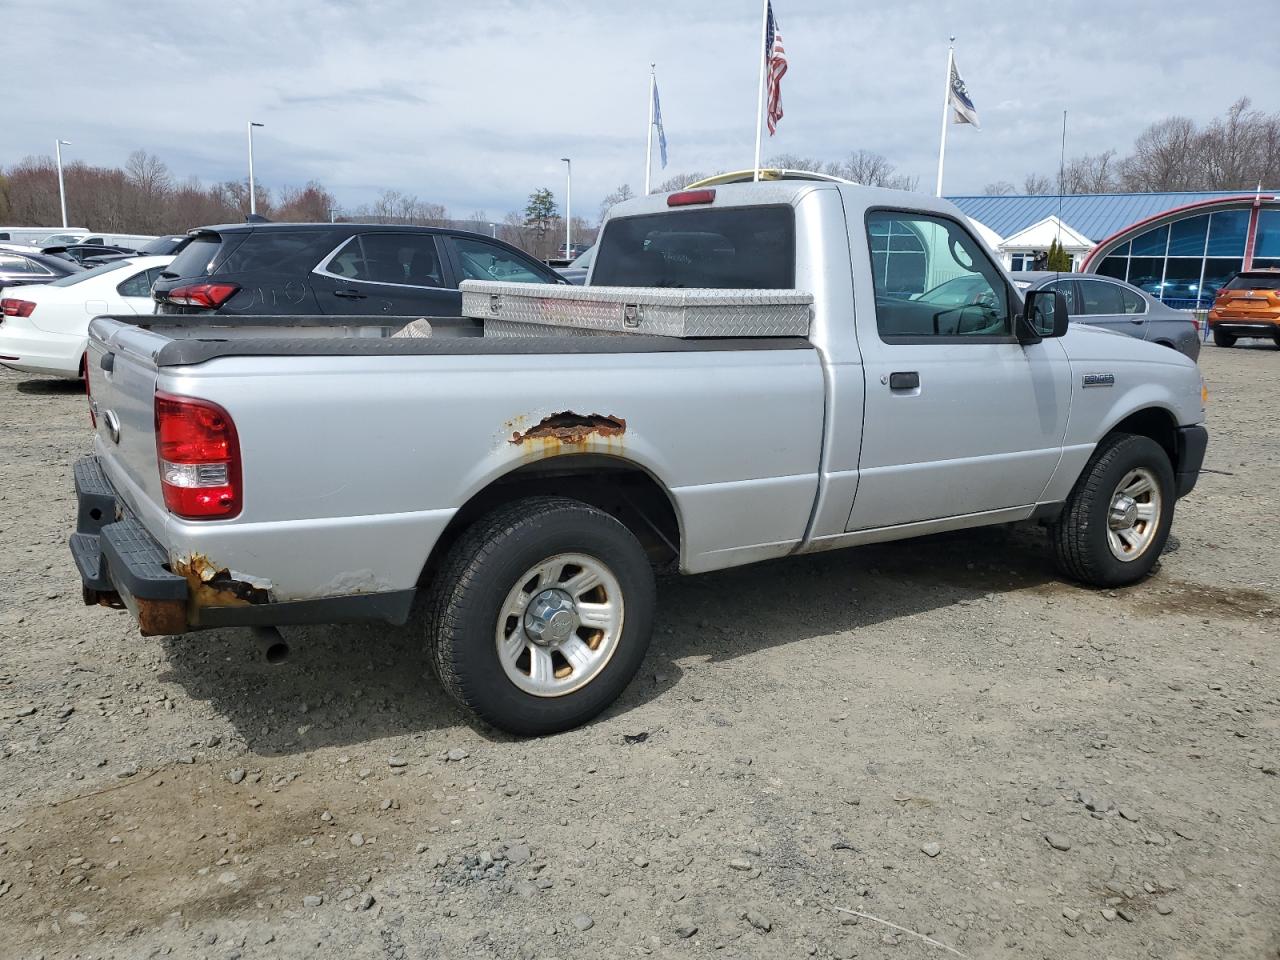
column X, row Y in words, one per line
column 688, row 198
column 1221, row 294
column 13, row 307
column 199, row 457
column 211, row 295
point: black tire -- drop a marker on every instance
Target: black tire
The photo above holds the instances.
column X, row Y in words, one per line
column 1223, row 339
column 472, row 584
column 1080, row 539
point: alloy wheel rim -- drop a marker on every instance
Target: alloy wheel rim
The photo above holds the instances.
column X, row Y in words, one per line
column 1133, row 518
column 559, row 625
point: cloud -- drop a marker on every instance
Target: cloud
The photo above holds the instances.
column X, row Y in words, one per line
column 473, row 104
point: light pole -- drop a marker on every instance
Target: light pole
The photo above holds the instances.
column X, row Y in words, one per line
column 493, row 229
column 253, row 198
column 62, row 190
column 568, row 208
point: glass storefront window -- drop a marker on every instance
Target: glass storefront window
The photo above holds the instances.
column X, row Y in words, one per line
column 1117, row 267
column 1186, row 237
column 1268, row 243
column 1217, row 271
column 1265, row 264
column 1152, row 243
column 1181, row 287
column 1146, row 273
column 1227, row 231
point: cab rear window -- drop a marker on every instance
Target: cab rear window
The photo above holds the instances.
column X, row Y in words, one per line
column 742, row 248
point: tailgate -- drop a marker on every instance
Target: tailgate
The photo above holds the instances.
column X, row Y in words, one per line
column 122, row 386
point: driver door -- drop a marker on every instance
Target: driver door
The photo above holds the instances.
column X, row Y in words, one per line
column 960, row 418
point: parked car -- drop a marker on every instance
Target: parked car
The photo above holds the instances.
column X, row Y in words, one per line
column 19, row 267
column 83, row 253
column 130, row 241
column 1247, row 306
column 529, row 483
column 1117, row 306
column 577, row 271
column 44, row 329
column 35, row 236
column 336, row 268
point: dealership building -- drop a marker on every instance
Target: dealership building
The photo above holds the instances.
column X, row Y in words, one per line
column 1180, row 247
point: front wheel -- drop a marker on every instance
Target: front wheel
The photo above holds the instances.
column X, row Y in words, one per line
column 1117, row 518
column 1223, row 339
column 541, row 614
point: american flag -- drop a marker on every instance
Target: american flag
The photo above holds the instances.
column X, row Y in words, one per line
column 775, row 59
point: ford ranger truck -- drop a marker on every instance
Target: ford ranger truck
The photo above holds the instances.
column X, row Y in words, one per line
column 304, row 470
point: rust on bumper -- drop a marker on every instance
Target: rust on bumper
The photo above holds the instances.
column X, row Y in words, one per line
column 213, row 586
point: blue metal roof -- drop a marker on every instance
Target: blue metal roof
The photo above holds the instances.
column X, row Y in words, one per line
column 1097, row 216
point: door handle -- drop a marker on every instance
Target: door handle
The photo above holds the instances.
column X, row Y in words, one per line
column 909, row 380
column 350, row 294
column 1137, row 319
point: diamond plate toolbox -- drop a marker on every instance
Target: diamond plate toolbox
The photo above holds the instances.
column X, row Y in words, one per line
column 525, row 307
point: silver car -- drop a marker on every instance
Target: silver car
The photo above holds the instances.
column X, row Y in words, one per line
column 1116, row 305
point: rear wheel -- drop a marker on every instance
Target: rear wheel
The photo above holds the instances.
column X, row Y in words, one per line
column 1117, row 518
column 1223, row 339
column 541, row 614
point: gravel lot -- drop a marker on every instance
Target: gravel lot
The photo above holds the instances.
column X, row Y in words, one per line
column 942, row 735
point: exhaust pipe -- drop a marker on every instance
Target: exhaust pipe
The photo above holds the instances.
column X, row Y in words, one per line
column 272, row 644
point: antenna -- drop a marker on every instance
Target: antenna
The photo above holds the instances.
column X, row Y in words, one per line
column 1062, row 176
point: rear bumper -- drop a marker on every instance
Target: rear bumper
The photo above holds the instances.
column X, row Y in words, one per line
column 1192, row 443
column 1241, row 327
column 121, row 564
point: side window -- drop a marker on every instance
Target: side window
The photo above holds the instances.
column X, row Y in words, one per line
column 932, row 279
column 348, row 262
column 1100, row 298
column 1132, row 302
column 139, row 285
column 488, row 261
column 1068, row 290
column 401, row 258
column 12, row 264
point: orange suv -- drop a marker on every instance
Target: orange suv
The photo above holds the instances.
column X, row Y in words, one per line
column 1248, row 306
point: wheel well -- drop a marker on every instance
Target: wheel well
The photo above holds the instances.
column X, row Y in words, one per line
column 1155, row 423
column 618, row 487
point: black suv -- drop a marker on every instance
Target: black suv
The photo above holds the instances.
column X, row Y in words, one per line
column 336, row 268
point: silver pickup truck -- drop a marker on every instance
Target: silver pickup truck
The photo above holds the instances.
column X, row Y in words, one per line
column 304, row 470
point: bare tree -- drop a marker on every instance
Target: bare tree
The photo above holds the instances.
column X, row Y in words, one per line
column 792, row 161
column 1001, row 188
column 872, row 170
column 1164, row 157
column 1089, row 173
column 678, row 182
column 309, row 204
column 1036, row 185
column 621, row 193
column 1229, row 146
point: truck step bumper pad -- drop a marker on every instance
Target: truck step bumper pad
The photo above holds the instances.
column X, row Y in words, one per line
column 114, row 552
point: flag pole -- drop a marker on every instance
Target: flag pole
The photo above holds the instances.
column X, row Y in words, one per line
column 764, row 37
column 648, row 141
column 946, row 105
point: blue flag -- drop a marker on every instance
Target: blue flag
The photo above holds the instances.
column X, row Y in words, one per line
column 657, row 118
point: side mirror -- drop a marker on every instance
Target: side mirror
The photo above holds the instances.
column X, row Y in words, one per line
column 1044, row 314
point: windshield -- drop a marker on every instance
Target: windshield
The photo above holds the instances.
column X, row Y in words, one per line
column 738, row 248
column 75, row 278
column 583, row 260
column 62, row 239
column 1255, row 281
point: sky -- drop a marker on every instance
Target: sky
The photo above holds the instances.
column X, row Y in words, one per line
column 473, row 104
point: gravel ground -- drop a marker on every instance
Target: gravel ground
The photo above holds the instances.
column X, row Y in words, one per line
column 943, row 735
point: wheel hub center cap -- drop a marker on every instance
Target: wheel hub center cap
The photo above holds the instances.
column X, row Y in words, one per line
column 551, row 618
column 1124, row 513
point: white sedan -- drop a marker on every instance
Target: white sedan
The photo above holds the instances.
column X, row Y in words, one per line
column 44, row 329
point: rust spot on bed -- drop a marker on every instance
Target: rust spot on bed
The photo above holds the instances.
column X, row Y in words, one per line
column 213, row 586
column 572, row 428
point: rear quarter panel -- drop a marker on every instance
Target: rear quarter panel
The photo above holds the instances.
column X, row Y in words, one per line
column 354, row 465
